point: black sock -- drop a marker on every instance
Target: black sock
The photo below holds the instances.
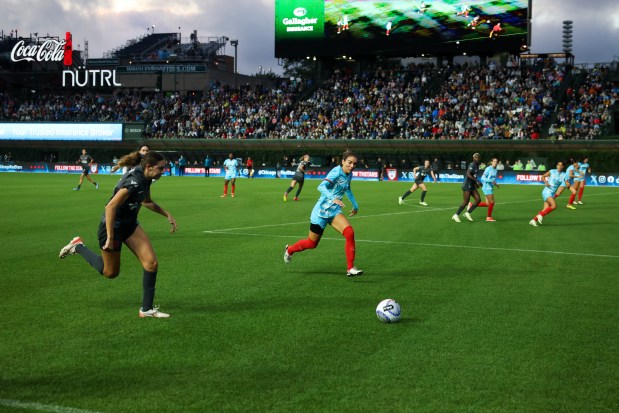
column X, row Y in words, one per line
column 95, row 261
column 472, row 208
column 407, row 193
column 423, row 195
column 460, row 210
column 288, row 190
column 148, row 284
column 298, row 192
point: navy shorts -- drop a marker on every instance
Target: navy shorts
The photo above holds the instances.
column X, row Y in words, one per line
column 122, row 231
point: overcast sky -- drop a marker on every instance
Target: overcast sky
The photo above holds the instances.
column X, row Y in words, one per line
column 108, row 24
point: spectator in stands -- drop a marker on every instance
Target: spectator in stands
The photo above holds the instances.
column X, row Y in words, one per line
column 182, row 163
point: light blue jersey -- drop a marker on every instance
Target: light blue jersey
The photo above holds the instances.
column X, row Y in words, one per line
column 488, row 179
column 334, row 186
column 569, row 171
column 230, row 166
column 555, row 179
column 583, row 168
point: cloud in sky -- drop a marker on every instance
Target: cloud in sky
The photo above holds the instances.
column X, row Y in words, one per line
column 109, row 24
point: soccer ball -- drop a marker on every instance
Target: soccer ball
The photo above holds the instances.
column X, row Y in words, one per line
column 388, row 311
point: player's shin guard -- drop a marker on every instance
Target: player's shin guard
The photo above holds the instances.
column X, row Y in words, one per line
column 95, row 261
column 302, row 244
column 490, row 208
column 349, row 235
column 546, row 211
column 225, row 189
column 148, row 284
column 581, row 190
column 423, row 195
column 233, row 188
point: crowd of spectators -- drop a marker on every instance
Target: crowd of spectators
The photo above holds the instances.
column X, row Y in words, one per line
column 471, row 102
column 586, row 111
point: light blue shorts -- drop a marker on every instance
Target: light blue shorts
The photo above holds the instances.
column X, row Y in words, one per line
column 547, row 193
column 230, row 177
column 488, row 189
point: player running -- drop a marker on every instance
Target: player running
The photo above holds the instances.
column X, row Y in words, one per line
column 119, row 225
column 571, row 173
column 554, row 178
column 328, row 210
column 298, row 177
column 420, row 173
column 469, row 187
column 488, row 180
column 579, row 181
column 230, row 165
column 85, row 161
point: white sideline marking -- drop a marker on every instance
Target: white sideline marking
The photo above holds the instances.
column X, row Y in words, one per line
column 579, row 254
column 231, row 231
column 41, row 407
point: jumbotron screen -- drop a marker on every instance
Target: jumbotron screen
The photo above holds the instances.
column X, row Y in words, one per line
column 399, row 27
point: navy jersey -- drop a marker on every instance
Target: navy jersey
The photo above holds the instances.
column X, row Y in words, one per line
column 422, row 173
column 470, row 184
column 138, row 187
column 85, row 160
column 302, row 167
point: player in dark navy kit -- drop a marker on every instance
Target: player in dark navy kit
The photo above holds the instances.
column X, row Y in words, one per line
column 420, row 173
column 85, row 161
column 119, row 225
column 298, row 177
column 469, row 187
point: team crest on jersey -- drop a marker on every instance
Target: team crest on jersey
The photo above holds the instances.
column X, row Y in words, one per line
column 392, row 174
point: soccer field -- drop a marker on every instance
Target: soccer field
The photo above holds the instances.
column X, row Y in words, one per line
column 497, row 317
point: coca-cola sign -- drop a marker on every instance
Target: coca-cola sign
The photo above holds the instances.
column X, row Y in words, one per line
column 50, row 50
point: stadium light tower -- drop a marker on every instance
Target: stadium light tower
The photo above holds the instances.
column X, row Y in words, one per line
column 235, row 43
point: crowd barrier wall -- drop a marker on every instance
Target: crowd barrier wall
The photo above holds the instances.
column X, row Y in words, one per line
column 390, row 174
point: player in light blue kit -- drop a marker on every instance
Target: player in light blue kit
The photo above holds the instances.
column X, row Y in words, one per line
column 328, row 210
column 230, row 166
column 571, row 173
column 554, row 178
column 579, row 182
column 488, row 180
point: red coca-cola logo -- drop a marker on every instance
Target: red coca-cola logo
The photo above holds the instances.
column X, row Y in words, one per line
column 49, row 51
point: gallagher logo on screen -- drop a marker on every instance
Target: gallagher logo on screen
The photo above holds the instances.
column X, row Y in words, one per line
column 299, row 12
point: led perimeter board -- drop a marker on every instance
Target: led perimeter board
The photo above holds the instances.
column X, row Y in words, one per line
column 399, row 27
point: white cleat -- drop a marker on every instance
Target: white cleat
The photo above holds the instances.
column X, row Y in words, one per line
column 69, row 249
column 354, row 271
column 400, row 200
column 423, row 203
column 455, row 217
column 468, row 216
column 533, row 222
column 287, row 257
column 153, row 312
column 579, row 202
column 539, row 219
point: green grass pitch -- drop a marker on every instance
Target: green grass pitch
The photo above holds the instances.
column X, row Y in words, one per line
column 497, row 317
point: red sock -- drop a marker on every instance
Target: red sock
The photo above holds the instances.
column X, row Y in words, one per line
column 571, row 199
column 546, row 211
column 581, row 190
column 225, row 189
column 302, row 244
column 349, row 234
column 490, row 208
column 233, row 188
column 482, row 204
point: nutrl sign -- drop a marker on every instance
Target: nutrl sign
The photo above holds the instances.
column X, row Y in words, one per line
column 61, row 51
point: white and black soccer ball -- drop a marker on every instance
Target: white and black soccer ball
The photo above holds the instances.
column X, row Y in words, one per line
column 388, row 311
